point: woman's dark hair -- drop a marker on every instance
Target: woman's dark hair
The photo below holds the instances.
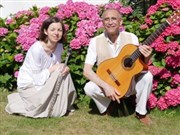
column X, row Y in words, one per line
column 45, row 26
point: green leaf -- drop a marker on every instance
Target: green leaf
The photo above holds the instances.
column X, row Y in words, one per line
column 163, row 62
column 167, row 87
column 4, row 78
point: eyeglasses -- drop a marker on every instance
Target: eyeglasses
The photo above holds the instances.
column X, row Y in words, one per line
column 112, row 19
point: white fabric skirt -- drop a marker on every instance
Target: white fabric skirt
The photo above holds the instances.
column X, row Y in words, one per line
column 34, row 103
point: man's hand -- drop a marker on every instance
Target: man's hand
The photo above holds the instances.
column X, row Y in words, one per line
column 111, row 93
column 145, row 50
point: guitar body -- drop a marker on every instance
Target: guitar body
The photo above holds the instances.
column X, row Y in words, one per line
column 114, row 72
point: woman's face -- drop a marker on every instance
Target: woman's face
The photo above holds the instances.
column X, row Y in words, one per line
column 54, row 32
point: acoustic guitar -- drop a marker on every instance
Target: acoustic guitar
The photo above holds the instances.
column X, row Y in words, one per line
column 119, row 71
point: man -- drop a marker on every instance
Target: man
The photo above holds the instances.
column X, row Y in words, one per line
column 108, row 45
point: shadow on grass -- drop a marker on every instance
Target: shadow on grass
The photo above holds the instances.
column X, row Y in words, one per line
column 125, row 108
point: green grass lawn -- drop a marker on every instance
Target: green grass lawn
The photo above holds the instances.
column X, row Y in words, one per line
column 85, row 123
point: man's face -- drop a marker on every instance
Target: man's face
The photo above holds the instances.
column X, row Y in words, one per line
column 111, row 21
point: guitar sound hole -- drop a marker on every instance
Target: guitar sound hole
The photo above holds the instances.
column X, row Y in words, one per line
column 128, row 62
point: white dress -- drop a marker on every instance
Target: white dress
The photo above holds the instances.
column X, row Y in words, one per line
column 36, row 85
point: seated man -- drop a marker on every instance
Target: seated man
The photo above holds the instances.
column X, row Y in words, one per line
column 108, row 45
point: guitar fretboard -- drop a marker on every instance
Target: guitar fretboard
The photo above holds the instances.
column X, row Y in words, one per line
column 155, row 35
column 136, row 54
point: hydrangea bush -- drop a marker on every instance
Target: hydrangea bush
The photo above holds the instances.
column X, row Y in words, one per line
column 82, row 22
column 165, row 63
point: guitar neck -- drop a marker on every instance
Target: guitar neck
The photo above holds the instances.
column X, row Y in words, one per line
column 155, row 35
column 150, row 39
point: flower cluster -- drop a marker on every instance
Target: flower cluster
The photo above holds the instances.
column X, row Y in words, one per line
column 87, row 20
column 28, row 34
column 19, row 57
column 119, row 7
column 170, row 99
column 86, row 17
column 166, row 59
column 3, row 31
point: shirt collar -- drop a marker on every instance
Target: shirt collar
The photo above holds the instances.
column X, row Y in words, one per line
column 109, row 41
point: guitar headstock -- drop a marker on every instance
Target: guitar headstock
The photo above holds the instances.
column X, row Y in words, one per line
column 175, row 18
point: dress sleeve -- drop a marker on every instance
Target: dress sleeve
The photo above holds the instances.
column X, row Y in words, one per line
column 39, row 67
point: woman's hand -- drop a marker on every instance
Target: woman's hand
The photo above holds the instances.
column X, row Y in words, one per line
column 64, row 69
column 54, row 67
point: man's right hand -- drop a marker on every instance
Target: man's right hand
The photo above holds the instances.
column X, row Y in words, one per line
column 111, row 93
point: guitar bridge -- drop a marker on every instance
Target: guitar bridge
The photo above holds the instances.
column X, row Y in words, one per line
column 113, row 77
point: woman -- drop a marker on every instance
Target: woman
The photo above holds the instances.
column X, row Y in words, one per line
column 38, row 76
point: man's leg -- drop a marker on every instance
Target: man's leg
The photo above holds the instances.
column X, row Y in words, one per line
column 94, row 92
column 143, row 89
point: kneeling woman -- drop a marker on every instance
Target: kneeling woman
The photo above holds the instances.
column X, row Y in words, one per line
column 38, row 76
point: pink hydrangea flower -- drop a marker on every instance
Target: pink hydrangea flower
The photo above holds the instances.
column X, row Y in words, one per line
column 28, row 35
column 16, row 74
column 115, row 5
column 3, row 31
column 155, row 70
column 9, row 21
column 155, row 84
column 126, row 10
column 119, row 7
column 176, row 79
column 172, row 97
column 152, row 101
column 148, row 21
column 161, row 104
column 160, row 47
column 165, row 73
column 173, row 45
column 66, row 27
column 173, row 61
column 75, row 43
column 144, row 26
column 44, row 10
column 22, row 13
column 19, row 57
